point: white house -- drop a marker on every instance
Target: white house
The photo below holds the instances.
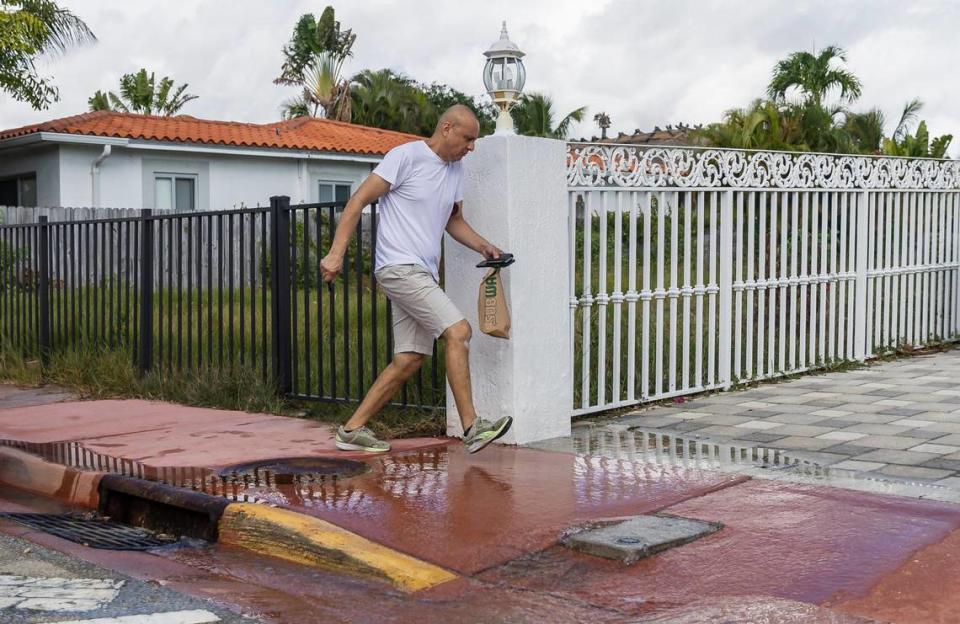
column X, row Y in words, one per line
column 119, row 160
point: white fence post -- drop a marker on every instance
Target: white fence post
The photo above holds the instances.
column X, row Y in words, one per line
column 862, row 337
column 952, row 257
column 955, row 208
column 514, row 187
column 726, row 288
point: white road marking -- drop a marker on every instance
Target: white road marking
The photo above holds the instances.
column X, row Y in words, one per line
column 56, row 594
column 104, row 595
column 197, row 616
column 59, row 604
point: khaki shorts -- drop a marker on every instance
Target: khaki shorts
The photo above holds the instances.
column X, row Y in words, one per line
column 421, row 310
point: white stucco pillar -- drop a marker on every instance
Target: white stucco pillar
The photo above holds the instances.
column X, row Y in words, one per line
column 515, row 196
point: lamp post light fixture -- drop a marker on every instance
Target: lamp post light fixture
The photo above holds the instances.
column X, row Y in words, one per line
column 503, row 78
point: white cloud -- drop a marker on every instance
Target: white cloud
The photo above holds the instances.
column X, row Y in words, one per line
column 644, row 63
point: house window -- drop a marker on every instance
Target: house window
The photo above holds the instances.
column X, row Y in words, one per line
column 175, row 192
column 334, row 192
column 20, row 191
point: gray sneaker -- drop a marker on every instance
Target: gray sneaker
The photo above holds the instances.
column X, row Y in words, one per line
column 360, row 439
column 484, row 432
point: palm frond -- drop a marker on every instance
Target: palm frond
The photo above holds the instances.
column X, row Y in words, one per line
column 908, row 116
column 62, row 29
column 295, row 107
column 563, row 128
column 117, row 103
column 99, row 101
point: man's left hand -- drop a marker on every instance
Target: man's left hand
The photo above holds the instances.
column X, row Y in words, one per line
column 490, row 252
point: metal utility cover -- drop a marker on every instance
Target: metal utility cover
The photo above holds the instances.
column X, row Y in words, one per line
column 637, row 538
column 92, row 531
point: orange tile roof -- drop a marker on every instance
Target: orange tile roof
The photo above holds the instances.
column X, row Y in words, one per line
column 304, row 133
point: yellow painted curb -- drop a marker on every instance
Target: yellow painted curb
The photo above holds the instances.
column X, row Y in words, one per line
column 307, row 540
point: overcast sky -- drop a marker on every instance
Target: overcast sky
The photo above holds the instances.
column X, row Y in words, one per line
column 644, row 63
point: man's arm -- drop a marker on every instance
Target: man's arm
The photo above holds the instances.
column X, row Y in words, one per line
column 372, row 189
column 460, row 230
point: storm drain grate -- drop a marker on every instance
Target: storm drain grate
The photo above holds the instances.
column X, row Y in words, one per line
column 92, row 531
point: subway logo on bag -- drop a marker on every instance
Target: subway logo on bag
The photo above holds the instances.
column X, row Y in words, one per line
column 490, row 303
column 492, row 306
column 491, row 284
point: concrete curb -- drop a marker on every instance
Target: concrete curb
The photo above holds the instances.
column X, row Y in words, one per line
column 259, row 528
column 28, row 472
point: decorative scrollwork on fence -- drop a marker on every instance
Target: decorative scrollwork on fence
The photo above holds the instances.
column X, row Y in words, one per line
column 606, row 165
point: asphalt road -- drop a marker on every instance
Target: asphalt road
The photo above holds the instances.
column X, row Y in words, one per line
column 37, row 583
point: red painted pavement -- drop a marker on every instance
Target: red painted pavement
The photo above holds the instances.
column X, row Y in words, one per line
column 272, row 590
column 780, row 540
column 924, row 589
column 788, row 553
column 162, row 434
column 464, row 512
column 469, row 512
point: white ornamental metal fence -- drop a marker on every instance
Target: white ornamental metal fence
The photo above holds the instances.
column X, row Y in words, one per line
column 694, row 269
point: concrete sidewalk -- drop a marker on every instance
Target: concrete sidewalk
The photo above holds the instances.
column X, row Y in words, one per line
column 492, row 523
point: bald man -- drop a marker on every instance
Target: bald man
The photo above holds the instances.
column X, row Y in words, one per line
column 420, row 189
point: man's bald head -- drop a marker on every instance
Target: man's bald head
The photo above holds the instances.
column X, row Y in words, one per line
column 456, row 133
column 456, row 115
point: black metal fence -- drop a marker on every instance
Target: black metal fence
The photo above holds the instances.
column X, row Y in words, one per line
column 209, row 291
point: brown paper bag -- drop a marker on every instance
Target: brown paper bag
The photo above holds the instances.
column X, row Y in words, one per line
column 492, row 306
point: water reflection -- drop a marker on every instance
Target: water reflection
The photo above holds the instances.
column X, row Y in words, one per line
column 601, row 445
column 255, row 484
column 666, row 449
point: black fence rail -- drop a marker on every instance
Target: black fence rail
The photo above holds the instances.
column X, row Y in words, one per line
column 342, row 331
column 209, row 291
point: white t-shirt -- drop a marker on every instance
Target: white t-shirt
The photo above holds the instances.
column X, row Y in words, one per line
column 415, row 211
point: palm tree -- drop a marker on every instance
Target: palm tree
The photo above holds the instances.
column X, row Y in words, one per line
column 533, row 116
column 808, row 124
column 603, row 122
column 313, row 61
column 765, row 125
column 814, row 77
column 28, row 29
column 821, row 128
column 866, row 130
column 762, row 125
column 325, row 93
column 384, row 99
column 918, row 145
column 312, row 38
column 99, row 101
column 139, row 93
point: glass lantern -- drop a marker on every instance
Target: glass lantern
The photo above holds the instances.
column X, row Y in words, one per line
column 503, row 77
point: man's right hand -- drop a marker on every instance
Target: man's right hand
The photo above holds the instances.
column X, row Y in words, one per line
column 331, row 266
column 372, row 189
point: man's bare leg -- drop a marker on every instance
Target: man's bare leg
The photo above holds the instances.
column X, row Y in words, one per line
column 457, row 339
column 403, row 366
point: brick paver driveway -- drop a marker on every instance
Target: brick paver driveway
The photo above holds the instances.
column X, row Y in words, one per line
column 899, row 418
